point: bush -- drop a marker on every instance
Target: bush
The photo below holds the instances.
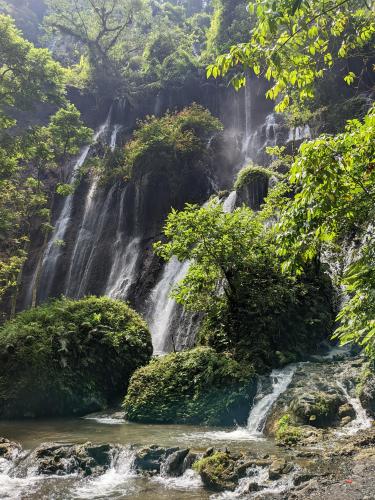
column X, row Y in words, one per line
column 250, row 172
column 69, row 357
column 175, row 140
column 197, row 387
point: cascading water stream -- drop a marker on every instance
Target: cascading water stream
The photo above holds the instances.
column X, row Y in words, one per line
column 361, row 420
column 164, row 309
column 53, row 250
column 280, row 378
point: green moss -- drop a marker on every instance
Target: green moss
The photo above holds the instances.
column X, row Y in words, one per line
column 197, row 386
column 251, row 172
column 69, row 357
column 217, row 471
column 286, row 432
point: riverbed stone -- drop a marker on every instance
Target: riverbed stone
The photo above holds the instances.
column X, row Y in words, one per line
column 174, row 463
column 346, row 410
column 151, row 458
column 9, row 449
column 62, row 459
column 317, row 408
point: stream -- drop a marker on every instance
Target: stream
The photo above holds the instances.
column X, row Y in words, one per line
column 121, row 481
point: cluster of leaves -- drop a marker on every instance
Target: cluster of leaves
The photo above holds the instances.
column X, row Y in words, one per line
column 198, row 386
column 235, row 278
column 127, row 48
column 294, row 43
column 252, row 171
column 29, row 76
column 287, row 433
column 174, row 138
column 69, row 357
column 333, row 178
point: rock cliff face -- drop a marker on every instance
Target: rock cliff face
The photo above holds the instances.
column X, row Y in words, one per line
column 103, row 236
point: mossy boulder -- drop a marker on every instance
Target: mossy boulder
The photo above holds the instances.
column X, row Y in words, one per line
column 366, row 391
column 198, row 386
column 319, row 409
column 286, row 432
column 218, row 471
column 252, row 185
column 70, row 357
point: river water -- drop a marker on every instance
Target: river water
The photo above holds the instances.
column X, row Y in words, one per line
column 119, row 481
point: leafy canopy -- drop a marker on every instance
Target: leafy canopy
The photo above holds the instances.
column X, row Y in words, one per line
column 333, row 178
column 293, row 43
column 27, row 74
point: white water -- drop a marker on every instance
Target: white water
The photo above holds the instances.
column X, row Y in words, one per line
column 123, row 270
column 299, row 133
column 230, row 202
column 280, row 379
column 114, row 482
column 163, row 307
column 361, row 421
column 115, row 132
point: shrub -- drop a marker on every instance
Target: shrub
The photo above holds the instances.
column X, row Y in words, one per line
column 198, row 386
column 251, row 172
column 69, row 357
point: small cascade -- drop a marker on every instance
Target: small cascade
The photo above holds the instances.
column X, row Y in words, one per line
column 115, row 131
column 230, row 202
column 362, row 420
column 114, row 483
column 280, row 378
column 123, row 268
column 299, row 133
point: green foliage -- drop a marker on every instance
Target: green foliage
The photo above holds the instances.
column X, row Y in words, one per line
column 233, row 256
column 170, row 141
column 287, row 433
column 69, row 357
column 198, row 386
column 293, row 47
column 333, row 180
column 252, row 171
column 27, row 74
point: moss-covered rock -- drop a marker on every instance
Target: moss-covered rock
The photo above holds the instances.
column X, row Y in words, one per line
column 218, row 471
column 198, row 386
column 286, row 432
column 366, row 391
column 70, row 357
column 319, row 409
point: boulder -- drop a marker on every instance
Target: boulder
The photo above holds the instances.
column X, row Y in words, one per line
column 63, row 459
column 278, row 468
column 367, row 393
column 9, row 449
column 174, row 464
column 150, row 459
column 319, row 409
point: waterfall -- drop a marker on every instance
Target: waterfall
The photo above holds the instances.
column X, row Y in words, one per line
column 113, row 140
column 230, row 202
column 163, row 310
column 54, row 250
column 299, row 133
column 123, row 268
column 280, row 378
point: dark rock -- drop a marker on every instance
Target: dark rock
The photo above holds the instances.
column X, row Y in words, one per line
column 151, row 458
column 62, row 459
column 9, row 449
column 208, row 452
column 302, row 477
column 317, row 408
column 189, row 460
column 367, row 394
column 278, row 468
column 346, row 410
column 174, row 463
